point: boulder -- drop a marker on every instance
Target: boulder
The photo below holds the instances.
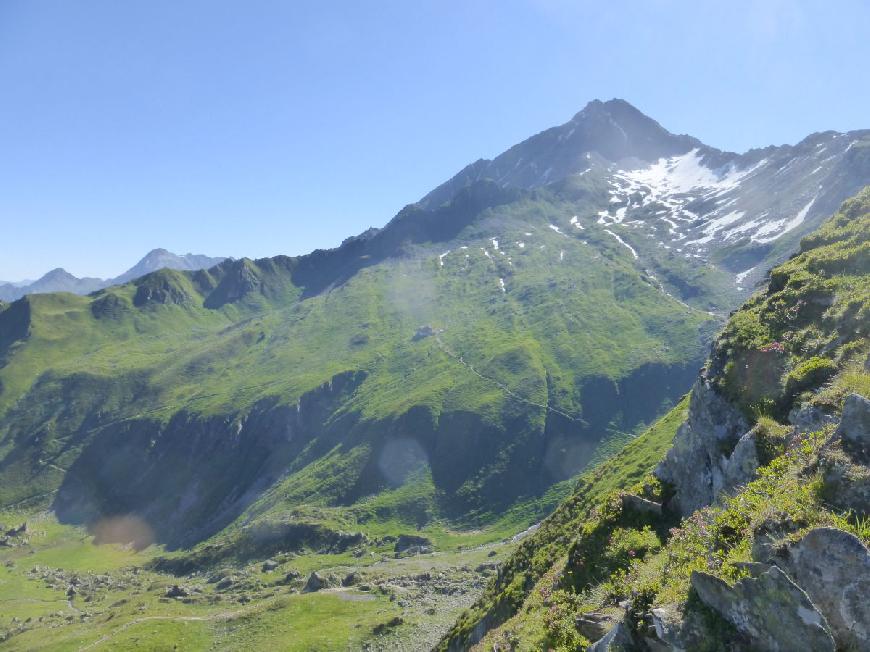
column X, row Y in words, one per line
column 176, row 591
column 771, row 610
column 315, row 582
column 269, row 565
column 351, row 579
column 407, row 541
column 855, row 422
column 833, row 567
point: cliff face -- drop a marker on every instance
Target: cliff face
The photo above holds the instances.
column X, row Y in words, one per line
column 751, row 532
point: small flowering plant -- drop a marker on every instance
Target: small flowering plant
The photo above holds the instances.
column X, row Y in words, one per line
column 773, row 347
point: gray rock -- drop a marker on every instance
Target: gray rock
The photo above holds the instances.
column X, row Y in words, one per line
column 176, row 591
column 407, row 541
column 618, row 639
column 593, row 625
column 742, row 465
column 754, row 568
column 771, row 610
column 668, row 622
column 678, row 631
column 809, row 418
column 315, row 582
column 833, row 567
column 351, row 579
column 697, row 464
column 634, row 503
column 855, row 421
column 269, row 565
column 845, row 479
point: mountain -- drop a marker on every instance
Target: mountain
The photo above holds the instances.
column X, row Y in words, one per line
column 161, row 259
column 436, row 383
column 740, row 212
column 751, row 531
column 59, row 280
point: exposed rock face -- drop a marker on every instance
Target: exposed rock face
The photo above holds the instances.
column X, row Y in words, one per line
column 710, row 453
column 833, row 567
column 846, row 483
column 771, row 610
column 593, row 625
column 676, row 631
column 809, row 418
column 855, row 423
column 618, row 639
column 845, row 462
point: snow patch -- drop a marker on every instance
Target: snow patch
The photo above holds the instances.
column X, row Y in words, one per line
column 622, row 242
column 781, row 227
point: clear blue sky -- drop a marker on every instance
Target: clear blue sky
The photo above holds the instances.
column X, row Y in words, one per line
column 258, row 127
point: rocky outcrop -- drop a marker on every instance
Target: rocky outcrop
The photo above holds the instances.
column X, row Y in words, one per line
column 593, row 625
column 674, row 630
column 845, row 462
column 618, row 639
column 712, row 451
column 809, row 418
column 771, row 610
column 854, row 425
column 409, row 542
column 833, row 567
column 317, row 581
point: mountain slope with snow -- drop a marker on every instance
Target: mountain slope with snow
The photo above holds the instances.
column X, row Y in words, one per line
column 741, row 213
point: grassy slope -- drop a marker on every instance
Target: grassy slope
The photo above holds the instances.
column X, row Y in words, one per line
column 538, row 340
column 549, row 545
column 816, row 314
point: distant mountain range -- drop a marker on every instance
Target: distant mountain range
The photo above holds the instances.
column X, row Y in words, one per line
column 60, row 280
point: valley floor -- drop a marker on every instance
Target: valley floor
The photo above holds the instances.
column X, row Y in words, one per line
column 61, row 591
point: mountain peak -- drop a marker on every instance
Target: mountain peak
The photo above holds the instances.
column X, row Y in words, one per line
column 159, row 258
column 56, row 274
column 614, row 105
column 613, row 130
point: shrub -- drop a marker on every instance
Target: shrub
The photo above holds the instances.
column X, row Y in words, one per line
column 809, row 374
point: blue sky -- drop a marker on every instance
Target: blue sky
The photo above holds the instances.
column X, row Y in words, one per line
column 259, row 127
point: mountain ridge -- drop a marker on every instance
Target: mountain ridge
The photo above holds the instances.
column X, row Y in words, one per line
column 59, row 280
